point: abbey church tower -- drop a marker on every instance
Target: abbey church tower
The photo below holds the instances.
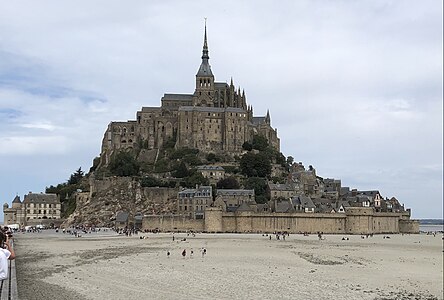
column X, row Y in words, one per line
column 204, row 93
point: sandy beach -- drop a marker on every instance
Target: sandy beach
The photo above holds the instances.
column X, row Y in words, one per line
column 105, row 265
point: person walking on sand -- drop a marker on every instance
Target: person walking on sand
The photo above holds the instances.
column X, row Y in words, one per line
column 184, row 253
column 168, row 253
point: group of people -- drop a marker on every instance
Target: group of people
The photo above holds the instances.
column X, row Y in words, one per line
column 6, row 251
column 203, row 252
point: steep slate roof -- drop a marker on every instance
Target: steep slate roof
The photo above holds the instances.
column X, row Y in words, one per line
column 231, row 208
column 244, row 207
column 363, row 198
column 228, row 192
column 181, row 97
column 344, row 190
column 263, row 207
column 199, row 190
column 217, row 168
column 369, row 193
column 187, row 191
column 258, row 120
column 41, row 198
column 220, row 85
column 323, row 208
column 211, row 109
column 281, row 186
column 122, row 216
column 283, row 206
column 150, row 108
column 16, row 199
column 343, row 203
column 306, row 202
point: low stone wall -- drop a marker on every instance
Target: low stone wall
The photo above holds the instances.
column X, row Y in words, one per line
column 171, row 223
column 271, row 222
column 45, row 222
column 409, row 226
column 354, row 221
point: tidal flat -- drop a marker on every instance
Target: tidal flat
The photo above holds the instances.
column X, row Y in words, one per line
column 105, row 265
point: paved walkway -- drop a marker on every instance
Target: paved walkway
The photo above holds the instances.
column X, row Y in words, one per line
column 8, row 287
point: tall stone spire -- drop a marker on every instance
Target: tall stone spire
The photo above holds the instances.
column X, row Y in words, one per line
column 205, row 69
column 267, row 117
column 204, row 93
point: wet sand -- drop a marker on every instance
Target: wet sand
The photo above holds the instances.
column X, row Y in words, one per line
column 237, row 266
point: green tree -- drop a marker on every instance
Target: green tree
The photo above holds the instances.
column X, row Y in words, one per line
column 150, row 181
column 259, row 185
column 211, row 157
column 181, row 171
column 228, row 183
column 260, row 142
column 161, row 166
column 76, row 176
column 124, row 164
column 255, row 165
column 196, row 178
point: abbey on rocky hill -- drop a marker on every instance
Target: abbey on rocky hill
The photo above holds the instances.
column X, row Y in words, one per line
column 215, row 118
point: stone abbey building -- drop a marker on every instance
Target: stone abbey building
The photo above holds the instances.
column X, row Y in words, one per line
column 215, row 118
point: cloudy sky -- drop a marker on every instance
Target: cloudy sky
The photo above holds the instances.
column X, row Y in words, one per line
column 354, row 87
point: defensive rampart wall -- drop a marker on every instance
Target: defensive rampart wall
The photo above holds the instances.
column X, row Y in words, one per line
column 354, row 221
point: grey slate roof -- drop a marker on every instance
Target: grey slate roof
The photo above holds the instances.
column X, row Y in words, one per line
column 306, row 202
column 244, row 207
column 150, row 108
column 231, row 208
column 210, row 109
column 41, row 198
column 202, row 189
column 369, row 193
column 283, row 206
column 280, row 186
column 205, row 167
column 16, row 199
column 343, row 203
column 258, row 120
column 122, row 216
column 181, row 97
column 263, row 207
column 227, row 192
column 221, row 85
column 204, row 70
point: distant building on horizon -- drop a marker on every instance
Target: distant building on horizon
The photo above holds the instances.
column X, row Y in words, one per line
column 36, row 208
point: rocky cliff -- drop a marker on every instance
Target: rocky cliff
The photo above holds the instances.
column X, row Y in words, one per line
column 107, row 197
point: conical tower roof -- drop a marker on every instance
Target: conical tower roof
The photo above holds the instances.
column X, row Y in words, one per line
column 16, row 199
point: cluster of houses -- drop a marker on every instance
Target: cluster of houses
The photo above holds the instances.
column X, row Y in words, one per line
column 303, row 192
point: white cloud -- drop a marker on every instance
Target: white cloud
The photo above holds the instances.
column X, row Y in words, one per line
column 354, row 88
